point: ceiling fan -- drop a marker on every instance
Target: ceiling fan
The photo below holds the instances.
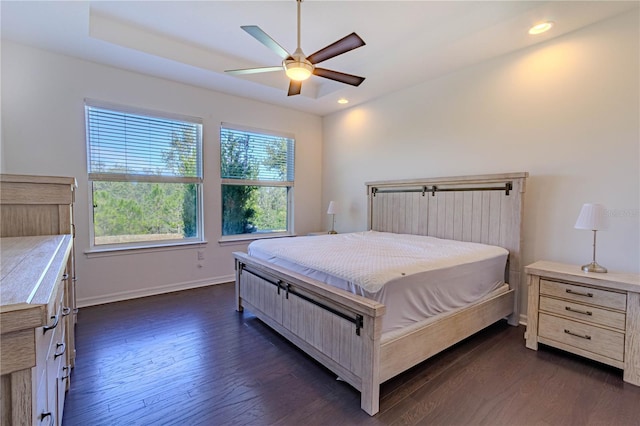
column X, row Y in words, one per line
column 299, row 67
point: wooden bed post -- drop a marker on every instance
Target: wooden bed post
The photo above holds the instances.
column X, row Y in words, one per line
column 515, row 247
column 370, row 392
column 239, row 307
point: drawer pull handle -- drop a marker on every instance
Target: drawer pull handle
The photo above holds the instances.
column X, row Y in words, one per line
column 65, row 277
column 66, row 311
column 55, row 319
column 582, row 336
column 45, row 415
column 66, row 369
column 64, row 349
column 578, row 311
column 577, row 293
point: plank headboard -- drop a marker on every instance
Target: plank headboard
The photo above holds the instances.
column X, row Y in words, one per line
column 483, row 208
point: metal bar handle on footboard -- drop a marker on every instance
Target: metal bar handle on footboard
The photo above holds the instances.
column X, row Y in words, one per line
column 356, row 319
column 279, row 284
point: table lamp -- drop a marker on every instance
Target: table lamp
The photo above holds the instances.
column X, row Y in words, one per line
column 332, row 211
column 592, row 217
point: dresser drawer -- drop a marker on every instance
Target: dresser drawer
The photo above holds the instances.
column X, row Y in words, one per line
column 42, row 414
column 577, row 293
column 46, row 335
column 54, row 372
column 22, row 353
column 590, row 338
column 582, row 312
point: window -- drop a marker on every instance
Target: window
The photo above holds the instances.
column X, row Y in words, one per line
column 257, row 170
column 145, row 177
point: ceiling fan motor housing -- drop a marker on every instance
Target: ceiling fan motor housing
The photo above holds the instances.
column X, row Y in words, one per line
column 297, row 66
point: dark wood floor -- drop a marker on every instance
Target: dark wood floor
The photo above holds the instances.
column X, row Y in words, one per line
column 188, row 358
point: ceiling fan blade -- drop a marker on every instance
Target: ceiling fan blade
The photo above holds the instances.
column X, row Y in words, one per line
column 294, row 88
column 353, row 80
column 265, row 39
column 254, row 70
column 345, row 44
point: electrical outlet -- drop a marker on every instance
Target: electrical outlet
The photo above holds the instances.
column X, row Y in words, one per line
column 200, row 255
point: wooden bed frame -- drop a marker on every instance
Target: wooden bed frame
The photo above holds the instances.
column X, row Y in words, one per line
column 343, row 331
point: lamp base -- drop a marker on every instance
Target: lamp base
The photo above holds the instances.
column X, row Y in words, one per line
column 332, row 232
column 593, row 267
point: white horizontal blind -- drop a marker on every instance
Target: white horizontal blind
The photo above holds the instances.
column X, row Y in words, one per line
column 134, row 147
column 252, row 156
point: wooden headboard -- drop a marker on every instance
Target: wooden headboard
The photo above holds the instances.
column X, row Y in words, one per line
column 483, row 208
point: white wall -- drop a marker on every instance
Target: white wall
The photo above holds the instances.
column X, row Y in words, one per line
column 566, row 111
column 43, row 133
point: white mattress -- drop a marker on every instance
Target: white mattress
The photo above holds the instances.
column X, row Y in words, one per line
column 415, row 277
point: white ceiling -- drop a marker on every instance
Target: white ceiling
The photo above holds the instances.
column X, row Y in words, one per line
column 407, row 42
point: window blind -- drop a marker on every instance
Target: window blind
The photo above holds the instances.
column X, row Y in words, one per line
column 254, row 156
column 129, row 146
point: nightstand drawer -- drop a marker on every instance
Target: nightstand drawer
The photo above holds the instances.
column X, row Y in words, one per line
column 593, row 296
column 590, row 338
column 583, row 312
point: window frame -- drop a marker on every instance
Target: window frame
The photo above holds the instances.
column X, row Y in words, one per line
column 288, row 184
column 199, row 238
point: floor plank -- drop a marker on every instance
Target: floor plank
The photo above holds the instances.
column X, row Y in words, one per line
column 187, row 358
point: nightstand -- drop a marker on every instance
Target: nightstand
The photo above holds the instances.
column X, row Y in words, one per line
column 595, row 315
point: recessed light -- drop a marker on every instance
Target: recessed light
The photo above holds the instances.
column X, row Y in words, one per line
column 343, row 101
column 540, row 28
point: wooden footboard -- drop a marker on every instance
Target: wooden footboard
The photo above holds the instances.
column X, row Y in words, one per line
column 339, row 329
column 343, row 331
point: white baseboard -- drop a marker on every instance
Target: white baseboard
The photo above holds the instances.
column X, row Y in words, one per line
column 523, row 320
column 134, row 294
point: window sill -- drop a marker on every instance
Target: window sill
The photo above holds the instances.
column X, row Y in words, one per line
column 244, row 239
column 119, row 251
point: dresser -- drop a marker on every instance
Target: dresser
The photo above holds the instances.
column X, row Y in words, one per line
column 595, row 315
column 37, row 297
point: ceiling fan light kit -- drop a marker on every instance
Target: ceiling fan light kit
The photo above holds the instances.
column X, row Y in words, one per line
column 299, row 67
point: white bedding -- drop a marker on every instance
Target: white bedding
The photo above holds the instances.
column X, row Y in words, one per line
column 415, row 277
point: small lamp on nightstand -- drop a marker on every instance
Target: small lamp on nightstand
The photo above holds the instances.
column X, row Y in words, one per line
column 332, row 211
column 592, row 217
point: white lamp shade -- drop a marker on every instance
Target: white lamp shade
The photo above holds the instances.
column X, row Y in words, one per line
column 332, row 208
column 591, row 217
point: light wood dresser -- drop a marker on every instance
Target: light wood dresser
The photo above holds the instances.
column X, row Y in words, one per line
column 595, row 315
column 37, row 297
